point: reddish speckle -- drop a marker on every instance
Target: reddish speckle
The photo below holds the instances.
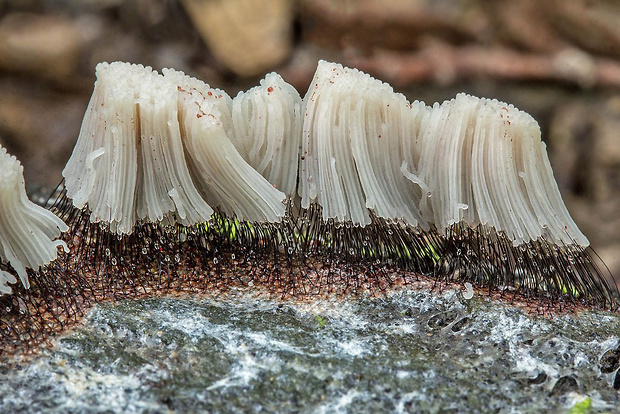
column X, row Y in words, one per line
column 270, row 89
column 379, row 136
column 209, row 93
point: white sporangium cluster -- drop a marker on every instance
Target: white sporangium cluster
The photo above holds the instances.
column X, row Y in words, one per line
column 169, row 148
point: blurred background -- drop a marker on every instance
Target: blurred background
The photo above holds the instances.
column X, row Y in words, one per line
column 558, row 60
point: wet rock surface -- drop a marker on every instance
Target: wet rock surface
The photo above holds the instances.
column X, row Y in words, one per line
column 413, row 351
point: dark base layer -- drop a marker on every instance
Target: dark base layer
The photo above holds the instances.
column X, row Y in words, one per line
column 302, row 257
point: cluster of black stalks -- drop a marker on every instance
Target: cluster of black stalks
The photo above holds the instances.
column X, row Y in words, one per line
column 301, row 256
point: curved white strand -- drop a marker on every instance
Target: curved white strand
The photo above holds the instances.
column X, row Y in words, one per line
column 27, row 231
column 224, row 178
column 267, row 130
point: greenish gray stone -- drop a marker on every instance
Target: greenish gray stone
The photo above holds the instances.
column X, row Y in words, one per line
column 413, row 351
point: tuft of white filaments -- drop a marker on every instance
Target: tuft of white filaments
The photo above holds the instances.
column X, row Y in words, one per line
column 27, row 231
column 220, row 173
column 267, row 130
column 358, row 148
column 128, row 163
column 168, row 148
column 484, row 162
column 154, row 148
column 470, row 160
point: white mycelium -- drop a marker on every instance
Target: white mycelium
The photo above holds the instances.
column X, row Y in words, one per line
column 27, row 231
column 159, row 148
